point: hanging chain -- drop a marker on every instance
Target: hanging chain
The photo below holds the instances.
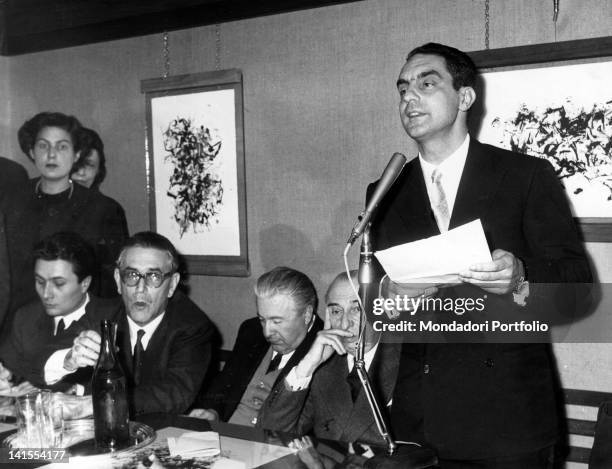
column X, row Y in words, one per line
column 166, row 55
column 217, row 46
column 555, row 15
column 486, row 13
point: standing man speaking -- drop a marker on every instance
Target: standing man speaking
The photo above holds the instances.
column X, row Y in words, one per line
column 480, row 405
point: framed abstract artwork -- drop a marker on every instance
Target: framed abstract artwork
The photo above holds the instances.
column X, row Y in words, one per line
column 195, row 168
column 554, row 101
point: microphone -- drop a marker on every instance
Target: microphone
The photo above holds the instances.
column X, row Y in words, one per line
column 389, row 175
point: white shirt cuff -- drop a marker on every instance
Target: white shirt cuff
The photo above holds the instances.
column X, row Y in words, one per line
column 294, row 383
column 54, row 367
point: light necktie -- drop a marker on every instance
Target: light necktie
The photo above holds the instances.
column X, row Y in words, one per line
column 138, row 352
column 274, row 363
column 440, row 205
column 61, row 327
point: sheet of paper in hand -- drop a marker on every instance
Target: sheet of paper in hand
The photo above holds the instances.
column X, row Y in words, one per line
column 438, row 259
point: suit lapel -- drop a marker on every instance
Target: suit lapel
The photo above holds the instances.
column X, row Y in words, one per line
column 479, row 180
column 45, row 326
column 125, row 346
column 337, row 401
column 412, row 197
column 300, row 351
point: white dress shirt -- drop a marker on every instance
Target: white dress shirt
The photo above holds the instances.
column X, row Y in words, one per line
column 451, row 169
column 149, row 329
column 54, row 366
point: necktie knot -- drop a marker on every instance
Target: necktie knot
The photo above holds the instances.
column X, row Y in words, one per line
column 61, row 327
column 139, row 335
column 274, row 363
column 436, row 176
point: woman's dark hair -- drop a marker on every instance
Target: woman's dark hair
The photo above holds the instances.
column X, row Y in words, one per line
column 90, row 141
column 70, row 247
column 30, row 129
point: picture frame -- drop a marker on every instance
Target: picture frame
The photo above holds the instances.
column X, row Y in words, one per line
column 195, row 169
column 554, row 67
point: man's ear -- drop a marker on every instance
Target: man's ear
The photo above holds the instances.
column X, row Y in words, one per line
column 117, row 279
column 467, row 97
column 174, row 281
column 308, row 314
column 85, row 283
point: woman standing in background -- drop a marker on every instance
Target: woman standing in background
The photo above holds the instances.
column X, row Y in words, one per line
column 52, row 203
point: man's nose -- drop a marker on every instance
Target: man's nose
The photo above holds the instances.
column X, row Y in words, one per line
column 47, row 291
column 345, row 322
column 268, row 329
column 141, row 284
column 410, row 95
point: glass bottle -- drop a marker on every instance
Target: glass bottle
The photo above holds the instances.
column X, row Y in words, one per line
column 109, row 394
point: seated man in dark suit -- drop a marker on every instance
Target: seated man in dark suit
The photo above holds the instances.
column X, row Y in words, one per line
column 266, row 348
column 323, row 393
column 163, row 337
column 62, row 274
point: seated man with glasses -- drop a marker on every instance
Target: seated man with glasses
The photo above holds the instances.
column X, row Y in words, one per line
column 164, row 339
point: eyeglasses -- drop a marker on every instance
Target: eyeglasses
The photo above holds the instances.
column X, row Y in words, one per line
column 131, row 277
column 42, row 147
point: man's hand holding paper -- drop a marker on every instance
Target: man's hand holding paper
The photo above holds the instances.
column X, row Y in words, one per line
column 437, row 260
column 498, row 276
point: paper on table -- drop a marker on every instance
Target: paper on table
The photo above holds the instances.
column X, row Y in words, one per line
column 194, row 444
column 437, row 259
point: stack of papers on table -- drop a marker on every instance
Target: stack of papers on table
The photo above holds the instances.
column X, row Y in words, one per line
column 194, row 445
column 439, row 259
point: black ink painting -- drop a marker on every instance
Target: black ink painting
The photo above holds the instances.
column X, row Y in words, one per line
column 195, row 168
column 576, row 142
column 563, row 114
column 194, row 185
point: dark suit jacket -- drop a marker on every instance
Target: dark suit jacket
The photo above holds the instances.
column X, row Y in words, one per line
column 326, row 408
column 175, row 361
column 31, row 341
column 473, row 401
column 250, row 348
column 12, row 176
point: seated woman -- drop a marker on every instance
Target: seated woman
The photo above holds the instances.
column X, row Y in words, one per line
column 90, row 171
column 52, row 203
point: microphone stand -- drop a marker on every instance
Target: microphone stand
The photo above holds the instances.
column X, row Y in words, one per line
column 367, row 294
column 395, row 457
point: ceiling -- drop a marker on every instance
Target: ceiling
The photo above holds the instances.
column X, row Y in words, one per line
column 36, row 25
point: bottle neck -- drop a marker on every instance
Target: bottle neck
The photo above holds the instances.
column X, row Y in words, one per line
column 107, row 358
